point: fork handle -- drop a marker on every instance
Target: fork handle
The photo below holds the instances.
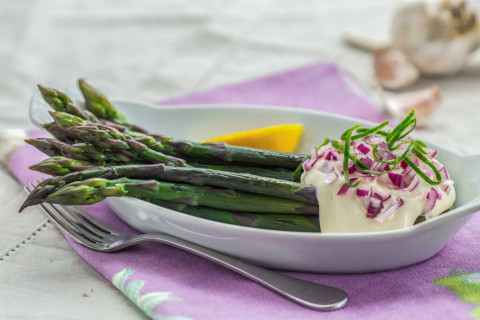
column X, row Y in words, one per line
column 309, row 294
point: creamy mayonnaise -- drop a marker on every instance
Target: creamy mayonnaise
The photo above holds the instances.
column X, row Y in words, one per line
column 347, row 213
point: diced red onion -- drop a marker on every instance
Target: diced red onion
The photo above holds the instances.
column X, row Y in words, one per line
column 383, row 145
column 431, row 200
column 352, row 169
column 403, row 164
column 398, row 180
column 413, row 184
column 408, row 173
column 367, row 161
column 367, row 180
column 427, row 151
column 331, row 155
column 365, row 201
column 363, row 192
column 363, row 149
column 308, row 164
column 375, row 202
column 385, row 155
column 330, row 178
column 444, row 174
column 432, row 154
column 439, row 196
column 313, row 154
column 305, row 167
column 379, row 194
column 385, row 214
column 375, row 207
column 363, row 174
column 323, row 149
column 374, row 166
column 380, row 167
column 344, row 189
column 373, row 139
column 383, row 178
column 326, row 167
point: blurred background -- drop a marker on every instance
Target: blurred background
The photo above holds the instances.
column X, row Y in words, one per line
column 153, row 50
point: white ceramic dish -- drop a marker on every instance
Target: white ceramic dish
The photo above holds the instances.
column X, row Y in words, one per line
column 295, row 251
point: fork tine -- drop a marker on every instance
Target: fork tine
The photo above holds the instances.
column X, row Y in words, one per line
column 84, row 221
column 72, row 220
column 70, row 230
column 94, row 222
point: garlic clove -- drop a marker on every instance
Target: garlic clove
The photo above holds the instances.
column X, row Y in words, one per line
column 392, row 69
column 425, row 102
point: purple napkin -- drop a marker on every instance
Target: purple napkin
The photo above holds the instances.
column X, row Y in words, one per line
column 167, row 283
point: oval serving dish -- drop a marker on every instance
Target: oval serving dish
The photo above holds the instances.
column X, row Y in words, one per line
column 293, row 251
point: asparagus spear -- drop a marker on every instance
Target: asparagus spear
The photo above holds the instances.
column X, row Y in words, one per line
column 233, row 154
column 196, row 176
column 56, row 99
column 97, row 189
column 60, row 166
column 45, row 145
column 275, row 173
column 106, row 137
column 59, row 101
column 96, row 133
column 283, row 222
column 59, row 133
column 81, row 151
column 98, row 104
column 52, row 165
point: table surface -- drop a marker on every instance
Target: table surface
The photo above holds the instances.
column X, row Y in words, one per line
column 152, row 51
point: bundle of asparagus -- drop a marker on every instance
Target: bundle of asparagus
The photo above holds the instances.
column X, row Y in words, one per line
column 97, row 154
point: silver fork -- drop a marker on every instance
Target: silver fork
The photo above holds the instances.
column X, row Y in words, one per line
column 93, row 234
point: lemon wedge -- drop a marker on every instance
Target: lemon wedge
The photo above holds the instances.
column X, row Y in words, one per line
column 282, row 138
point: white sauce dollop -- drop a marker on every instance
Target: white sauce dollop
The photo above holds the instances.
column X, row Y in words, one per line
column 348, row 213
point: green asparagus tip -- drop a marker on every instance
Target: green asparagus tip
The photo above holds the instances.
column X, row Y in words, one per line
column 66, row 120
column 86, row 192
column 56, row 99
column 98, row 103
column 60, row 166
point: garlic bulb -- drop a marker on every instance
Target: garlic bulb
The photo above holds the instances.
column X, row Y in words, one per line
column 436, row 36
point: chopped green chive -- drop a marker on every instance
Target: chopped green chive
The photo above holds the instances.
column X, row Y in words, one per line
column 393, row 140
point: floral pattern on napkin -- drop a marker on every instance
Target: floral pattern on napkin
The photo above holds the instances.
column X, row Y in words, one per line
column 466, row 287
column 146, row 302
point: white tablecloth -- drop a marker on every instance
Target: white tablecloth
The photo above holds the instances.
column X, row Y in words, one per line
column 152, row 50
